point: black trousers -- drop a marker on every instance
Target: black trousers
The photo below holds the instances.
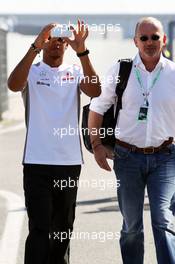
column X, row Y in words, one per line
column 50, row 197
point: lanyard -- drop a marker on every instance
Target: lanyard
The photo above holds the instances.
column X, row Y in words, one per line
column 144, row 92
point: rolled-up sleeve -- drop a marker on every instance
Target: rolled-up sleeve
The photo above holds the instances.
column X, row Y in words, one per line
column 107, row 97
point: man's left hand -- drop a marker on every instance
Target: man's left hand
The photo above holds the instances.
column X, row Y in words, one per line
column 80, row 35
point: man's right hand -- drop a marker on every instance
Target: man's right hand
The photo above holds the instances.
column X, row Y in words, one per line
column 17, row 80
column 43, row 36
column 101, row 155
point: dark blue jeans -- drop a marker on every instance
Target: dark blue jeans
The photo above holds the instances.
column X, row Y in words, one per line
column 136, row 171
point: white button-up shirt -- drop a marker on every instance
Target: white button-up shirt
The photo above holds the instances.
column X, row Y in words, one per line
column 160, row 124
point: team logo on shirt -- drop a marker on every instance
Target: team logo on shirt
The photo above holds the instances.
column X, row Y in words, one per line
column 42, row 83
column 68, row 76
column 43, row 74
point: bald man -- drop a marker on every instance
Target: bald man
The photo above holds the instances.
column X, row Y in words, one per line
column 144, row 150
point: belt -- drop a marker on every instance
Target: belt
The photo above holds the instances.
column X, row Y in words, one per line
column 148, row 150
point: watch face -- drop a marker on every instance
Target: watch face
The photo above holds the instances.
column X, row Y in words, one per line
column 33, row 46
column 37, row 50
column 59, row 32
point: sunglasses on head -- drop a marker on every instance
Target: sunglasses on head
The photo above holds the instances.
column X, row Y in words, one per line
column 154, row 37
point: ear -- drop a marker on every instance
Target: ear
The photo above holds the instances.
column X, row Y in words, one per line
column 135, row 41
column 164, row 40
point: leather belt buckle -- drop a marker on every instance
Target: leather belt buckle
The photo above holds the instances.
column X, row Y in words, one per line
column 149, row 150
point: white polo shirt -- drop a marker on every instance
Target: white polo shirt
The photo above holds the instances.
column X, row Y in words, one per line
column 160, row 123
column 52, row 102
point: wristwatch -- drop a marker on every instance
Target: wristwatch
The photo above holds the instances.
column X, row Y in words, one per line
column 35, row 49
column 84, row 53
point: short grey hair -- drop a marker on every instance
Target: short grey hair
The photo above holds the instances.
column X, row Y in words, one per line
column 149, row 20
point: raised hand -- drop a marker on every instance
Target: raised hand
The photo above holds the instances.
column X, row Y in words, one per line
column 80, row 35
column 43, row 36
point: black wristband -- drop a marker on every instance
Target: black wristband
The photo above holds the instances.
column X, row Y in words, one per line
column 35, row 49
column 86, row 52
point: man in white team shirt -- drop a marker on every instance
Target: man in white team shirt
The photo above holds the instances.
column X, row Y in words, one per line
column 52, row 155
column 144, row 153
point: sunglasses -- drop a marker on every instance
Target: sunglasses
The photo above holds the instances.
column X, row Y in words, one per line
column 58, row 39
column 154, row 37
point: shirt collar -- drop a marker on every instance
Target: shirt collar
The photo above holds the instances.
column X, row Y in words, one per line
column 138, row 62
column 46, row 66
